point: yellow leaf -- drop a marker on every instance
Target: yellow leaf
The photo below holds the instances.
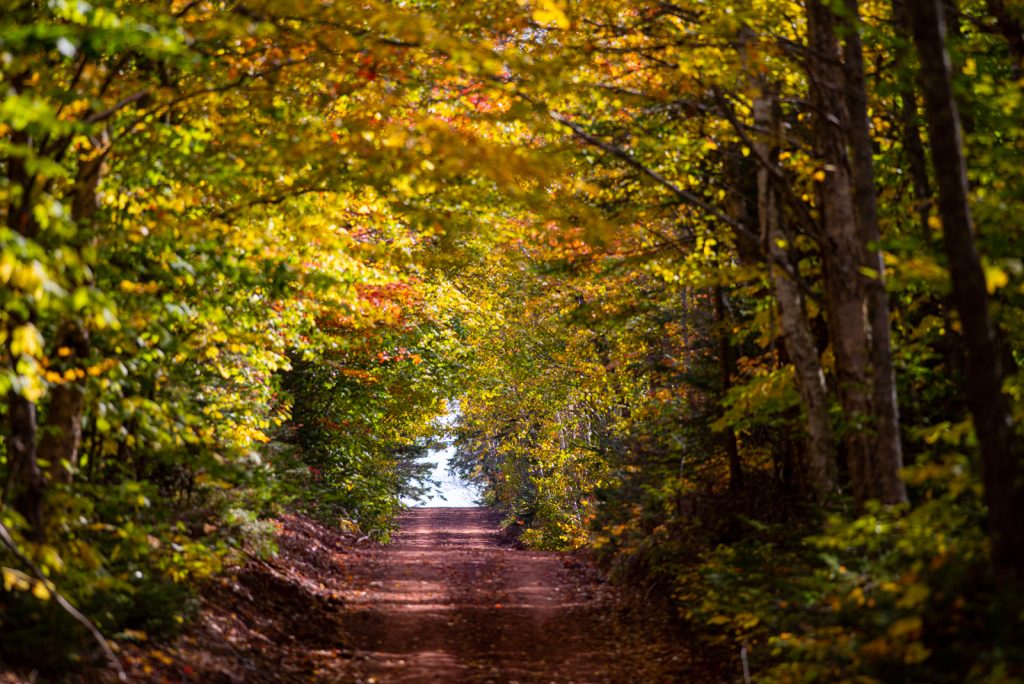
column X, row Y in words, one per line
column 49, row 557
column 995, row 278
column 26, row 339
column 819, row 176
column 40, row 591
column 135, row 635
column 548, row 12
column 747, row 620
column 914, row 595
column 14, row 579
column 212, row 352
column 906, row 627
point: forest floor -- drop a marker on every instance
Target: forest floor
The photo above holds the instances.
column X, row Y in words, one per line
column 451, row 600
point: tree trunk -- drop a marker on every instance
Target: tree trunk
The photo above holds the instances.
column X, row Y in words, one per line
column 887, row 484
column 1009, row 26
column 819, row 463
column 843, row 251
column 26, row 477
column 725, row 367
column 913, row 151
column 989, row 407
column 62, row 436
column 923, row 195
column 60, row 441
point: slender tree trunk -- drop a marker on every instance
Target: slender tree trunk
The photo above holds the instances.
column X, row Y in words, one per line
column 955, row 32
column 725, row 368
column 92, row 452
column 1009, row 26
column 819, row 463
column 989, row 407
column 887, row 484
column 914, row 153
column 843, row 249
column 923, row 194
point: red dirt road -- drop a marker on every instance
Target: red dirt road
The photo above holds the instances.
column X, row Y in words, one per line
column 450, row 602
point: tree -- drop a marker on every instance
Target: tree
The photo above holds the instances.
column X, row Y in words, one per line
column 990, row 409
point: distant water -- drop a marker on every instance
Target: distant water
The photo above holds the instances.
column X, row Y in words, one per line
column 453, row 491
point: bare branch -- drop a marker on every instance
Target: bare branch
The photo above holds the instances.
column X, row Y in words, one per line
column 109, row 112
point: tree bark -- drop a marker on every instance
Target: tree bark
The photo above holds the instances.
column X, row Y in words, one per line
column 990, row 408
column 62, row 436
column 819, row 462
column 914, row 153
column 725, row 368
column 25, row 477
column 843, row 251
column 887, row 484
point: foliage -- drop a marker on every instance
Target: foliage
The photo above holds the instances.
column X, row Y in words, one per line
column 252, row 251
column 657, row 356
column 212, row 216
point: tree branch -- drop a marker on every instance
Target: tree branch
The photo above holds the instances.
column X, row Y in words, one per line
column 109, row 112
column 8, row 540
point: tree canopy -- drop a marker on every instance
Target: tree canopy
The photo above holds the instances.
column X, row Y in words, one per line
column 728, row 293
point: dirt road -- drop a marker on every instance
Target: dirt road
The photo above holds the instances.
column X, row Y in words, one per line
column 450, row 602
